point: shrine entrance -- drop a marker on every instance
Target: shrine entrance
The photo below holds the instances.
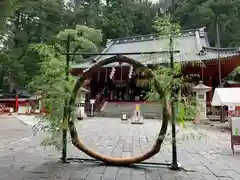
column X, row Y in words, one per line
column 68, row 121
column 120, row 83
column 125, row 91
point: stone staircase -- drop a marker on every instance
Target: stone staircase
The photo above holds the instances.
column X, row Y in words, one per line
column 114, row 109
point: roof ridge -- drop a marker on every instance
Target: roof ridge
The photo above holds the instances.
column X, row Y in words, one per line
column 154, row 34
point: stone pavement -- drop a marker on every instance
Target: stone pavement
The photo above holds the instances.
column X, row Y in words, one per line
column 204, row 152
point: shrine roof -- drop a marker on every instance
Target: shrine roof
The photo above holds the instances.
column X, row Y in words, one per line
column 193, row 46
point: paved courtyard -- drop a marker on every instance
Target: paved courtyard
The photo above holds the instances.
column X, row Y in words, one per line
column 204, row 152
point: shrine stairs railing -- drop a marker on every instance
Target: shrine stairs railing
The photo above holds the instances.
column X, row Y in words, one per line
column 99, row 101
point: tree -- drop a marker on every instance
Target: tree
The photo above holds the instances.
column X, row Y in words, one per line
column 196, row 13
column 163, row 82
column 6, row 7
column 117, row 23
column 166, row 79
column 30, row 22
column 54, row 89
column 51, row 80
column 126, row 18
column 10, row 71
column 84, row 13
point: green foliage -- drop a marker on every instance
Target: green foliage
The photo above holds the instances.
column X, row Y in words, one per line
column 196, row 13
column 54, row 89
column 165, row 81
column 51, row 79
column 37, row 20
column 126, row 18
column 82, row 39
column 10, row 70
column 6, row 7
column 32, row 22
column 164, row 26
column 235, row 75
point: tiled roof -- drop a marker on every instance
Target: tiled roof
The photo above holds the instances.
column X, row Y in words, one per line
column 192, row 44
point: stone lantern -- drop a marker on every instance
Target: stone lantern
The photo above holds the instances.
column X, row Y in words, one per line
column 201, row 94
column 80, row 102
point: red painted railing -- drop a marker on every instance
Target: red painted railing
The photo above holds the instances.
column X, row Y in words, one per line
column 99, row 101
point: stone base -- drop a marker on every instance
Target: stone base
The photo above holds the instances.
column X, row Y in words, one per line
column 80, row 113
column 137, row 120
column 83, row 116
column 80, row 118
column 204, row 121
column 124, row 120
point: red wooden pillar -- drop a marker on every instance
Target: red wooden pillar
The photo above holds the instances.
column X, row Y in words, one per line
column 209, row 93
column 121, row 71
column 16, row 103
column 98, row 76
column 202, row 72
column 111, row 95
column 106, row 74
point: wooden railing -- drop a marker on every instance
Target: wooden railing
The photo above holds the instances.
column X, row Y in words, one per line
column 99, row 101
column 215, row 110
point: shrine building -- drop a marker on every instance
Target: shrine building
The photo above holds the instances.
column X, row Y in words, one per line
column 120, row 79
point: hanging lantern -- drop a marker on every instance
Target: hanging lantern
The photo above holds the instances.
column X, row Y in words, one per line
column 130, row 72
column 112, row 72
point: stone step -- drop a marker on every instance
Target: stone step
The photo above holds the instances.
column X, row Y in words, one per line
column 116, row 109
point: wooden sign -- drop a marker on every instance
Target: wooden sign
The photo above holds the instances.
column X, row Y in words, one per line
column 24, row 110
column 235, row 130
column 92, row 101
column 235, row 126
column 231, row 108
column 124, row 117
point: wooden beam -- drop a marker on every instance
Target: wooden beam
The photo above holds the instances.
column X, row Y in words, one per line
column 122, row 54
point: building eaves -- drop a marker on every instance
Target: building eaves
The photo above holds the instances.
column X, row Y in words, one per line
column 192, row 44
column 214, row 53
column 222, row 50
